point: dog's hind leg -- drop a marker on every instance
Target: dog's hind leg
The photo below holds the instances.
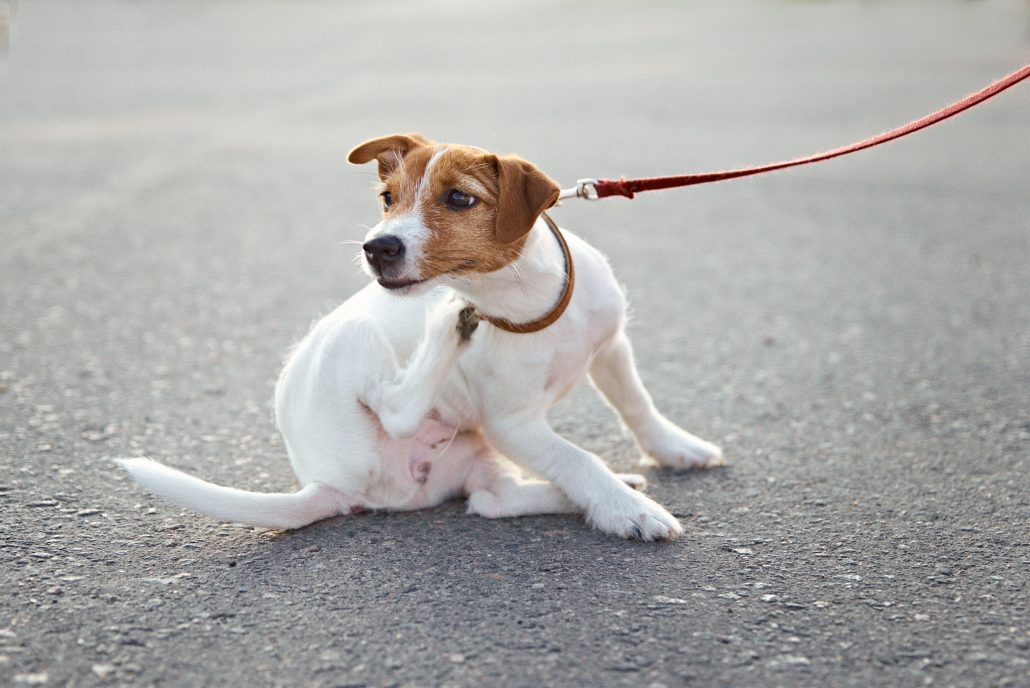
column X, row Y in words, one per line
column 615, row 375
column 402, row 398
column 510, row 495
column 513, row 496
column 496, row 489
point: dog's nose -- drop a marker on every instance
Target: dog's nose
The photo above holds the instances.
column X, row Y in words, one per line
column 383, row 251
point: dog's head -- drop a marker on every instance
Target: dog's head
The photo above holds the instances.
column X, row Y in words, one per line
column 448, row 210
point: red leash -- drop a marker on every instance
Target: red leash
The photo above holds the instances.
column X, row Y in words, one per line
column 594, row 189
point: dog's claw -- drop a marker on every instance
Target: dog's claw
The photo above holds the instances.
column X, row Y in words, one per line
column 468, row 321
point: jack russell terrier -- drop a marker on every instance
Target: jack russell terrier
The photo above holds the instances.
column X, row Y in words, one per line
column 464, row 240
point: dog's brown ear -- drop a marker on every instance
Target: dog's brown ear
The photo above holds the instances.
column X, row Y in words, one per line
column 524, row 193
column 387, row 150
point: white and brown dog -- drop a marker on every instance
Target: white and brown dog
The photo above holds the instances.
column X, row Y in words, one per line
column 463, row 239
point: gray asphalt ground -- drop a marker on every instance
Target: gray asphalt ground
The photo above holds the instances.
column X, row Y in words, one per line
column 173, row 198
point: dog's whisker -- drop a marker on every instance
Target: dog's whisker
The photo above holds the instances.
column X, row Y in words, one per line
column 360, row 173
column 518, row 278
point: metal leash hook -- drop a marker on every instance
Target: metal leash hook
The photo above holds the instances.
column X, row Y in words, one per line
column 584, row 188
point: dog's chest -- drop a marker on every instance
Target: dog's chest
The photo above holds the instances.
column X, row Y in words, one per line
column 502, row 375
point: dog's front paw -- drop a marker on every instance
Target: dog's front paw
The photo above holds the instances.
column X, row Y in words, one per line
column 633, row 515
column 674, row 447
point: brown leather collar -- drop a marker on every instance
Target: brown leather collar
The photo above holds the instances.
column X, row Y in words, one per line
column 563, row 302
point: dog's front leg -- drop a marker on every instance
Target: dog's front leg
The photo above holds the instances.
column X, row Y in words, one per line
column 403, row 398
column 609, row 504
column 615, row 375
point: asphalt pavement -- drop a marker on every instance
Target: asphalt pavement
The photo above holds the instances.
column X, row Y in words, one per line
column 174, row 202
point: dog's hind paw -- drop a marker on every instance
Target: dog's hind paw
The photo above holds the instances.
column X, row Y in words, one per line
column 468, row 321
column 634, row 480
column 484, row 503
column 399, row 425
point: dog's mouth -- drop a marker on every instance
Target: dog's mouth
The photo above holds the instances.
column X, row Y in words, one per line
column 397, row 284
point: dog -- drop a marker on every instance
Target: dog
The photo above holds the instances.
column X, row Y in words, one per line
column 498, row 314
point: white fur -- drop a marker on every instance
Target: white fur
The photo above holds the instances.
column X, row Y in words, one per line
column 362, row 433
column 423, row 184
column 409, row 228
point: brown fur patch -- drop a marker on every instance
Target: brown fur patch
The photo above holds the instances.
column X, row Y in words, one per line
column 402, row 181
column 463, row 240
column 389, row 151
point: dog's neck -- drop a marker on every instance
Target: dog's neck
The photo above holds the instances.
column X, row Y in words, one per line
column 525, row 289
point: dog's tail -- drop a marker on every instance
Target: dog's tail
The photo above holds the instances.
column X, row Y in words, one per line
column 271, row 510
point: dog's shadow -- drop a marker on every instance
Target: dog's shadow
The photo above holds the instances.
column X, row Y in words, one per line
column 433, row 547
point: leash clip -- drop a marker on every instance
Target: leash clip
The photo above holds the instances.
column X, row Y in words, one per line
column 584, row 188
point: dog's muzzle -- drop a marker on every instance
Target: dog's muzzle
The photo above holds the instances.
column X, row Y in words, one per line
column 385, row 255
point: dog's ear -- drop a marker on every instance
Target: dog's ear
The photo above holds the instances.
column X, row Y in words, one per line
column 389, row 151
column 524, row 193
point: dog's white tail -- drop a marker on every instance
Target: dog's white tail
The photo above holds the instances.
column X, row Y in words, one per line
column 271, row 510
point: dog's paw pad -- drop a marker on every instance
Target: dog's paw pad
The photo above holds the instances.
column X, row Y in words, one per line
column 468, row 321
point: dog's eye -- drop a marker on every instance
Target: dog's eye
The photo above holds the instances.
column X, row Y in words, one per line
column 459, row 200
column 387, row 199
